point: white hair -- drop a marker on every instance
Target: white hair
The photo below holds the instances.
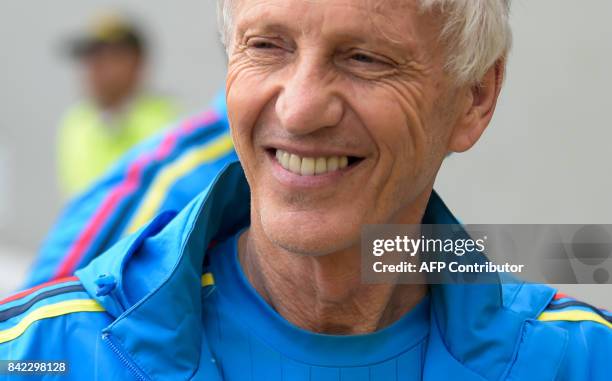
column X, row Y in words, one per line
column 476, row 33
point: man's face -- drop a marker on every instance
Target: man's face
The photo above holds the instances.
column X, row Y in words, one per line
column 112, row 73
column 348, row 89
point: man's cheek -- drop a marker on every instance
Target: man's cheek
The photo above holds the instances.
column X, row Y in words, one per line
column 243, row 106
column 242, row 73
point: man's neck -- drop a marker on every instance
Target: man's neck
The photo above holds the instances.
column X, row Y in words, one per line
column 323, row 294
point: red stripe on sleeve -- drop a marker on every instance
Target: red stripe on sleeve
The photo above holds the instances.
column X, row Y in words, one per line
column 560, row 295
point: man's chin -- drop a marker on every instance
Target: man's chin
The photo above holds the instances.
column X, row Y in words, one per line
column 312, row 241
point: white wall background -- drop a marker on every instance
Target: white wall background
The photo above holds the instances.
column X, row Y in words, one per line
column 544, row 159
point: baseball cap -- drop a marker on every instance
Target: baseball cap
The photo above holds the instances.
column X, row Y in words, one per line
column 107, row 29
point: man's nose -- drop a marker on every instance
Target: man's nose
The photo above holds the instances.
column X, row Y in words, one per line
column 308, row 100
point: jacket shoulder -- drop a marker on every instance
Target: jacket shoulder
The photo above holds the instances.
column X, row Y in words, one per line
column 564, row 308
column 46, row 313
column 588, row 332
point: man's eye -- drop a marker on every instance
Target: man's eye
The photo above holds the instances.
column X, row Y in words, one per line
column 262, row 44
column 363, row 58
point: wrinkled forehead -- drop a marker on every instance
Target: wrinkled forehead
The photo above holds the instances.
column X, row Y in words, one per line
column 394, row 21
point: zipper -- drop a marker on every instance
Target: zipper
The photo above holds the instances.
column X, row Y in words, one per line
column 139, row 374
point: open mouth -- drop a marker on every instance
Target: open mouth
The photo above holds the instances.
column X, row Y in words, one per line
column 313, row 166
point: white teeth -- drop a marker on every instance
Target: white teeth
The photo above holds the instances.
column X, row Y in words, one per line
column 343, row 162
column 320, row 165
column 285, row 159
column 310, row 166
column 295, row 164
column 332, row 163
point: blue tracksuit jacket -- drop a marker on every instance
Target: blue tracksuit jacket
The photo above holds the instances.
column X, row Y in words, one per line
column 135, row 312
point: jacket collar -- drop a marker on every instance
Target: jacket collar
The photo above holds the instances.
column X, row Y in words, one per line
column 480, row 327
column 156, row 299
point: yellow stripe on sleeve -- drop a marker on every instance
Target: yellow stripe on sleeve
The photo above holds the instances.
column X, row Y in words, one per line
column 208, row 280
column 49, row 311
column 169, row 175
column 574, row 315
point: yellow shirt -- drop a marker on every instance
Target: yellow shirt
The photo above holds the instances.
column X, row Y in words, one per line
column 89, row 143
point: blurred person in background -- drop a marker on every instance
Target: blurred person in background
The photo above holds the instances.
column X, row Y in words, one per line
column 119, row 111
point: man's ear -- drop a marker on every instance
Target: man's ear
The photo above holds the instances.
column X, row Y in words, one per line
column 477, row 110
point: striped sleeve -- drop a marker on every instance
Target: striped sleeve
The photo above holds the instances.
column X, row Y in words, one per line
column 18, row 313
column 133, row 192
column 565, row 308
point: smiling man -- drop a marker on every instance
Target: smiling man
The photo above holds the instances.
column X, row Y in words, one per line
column 341, row 113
